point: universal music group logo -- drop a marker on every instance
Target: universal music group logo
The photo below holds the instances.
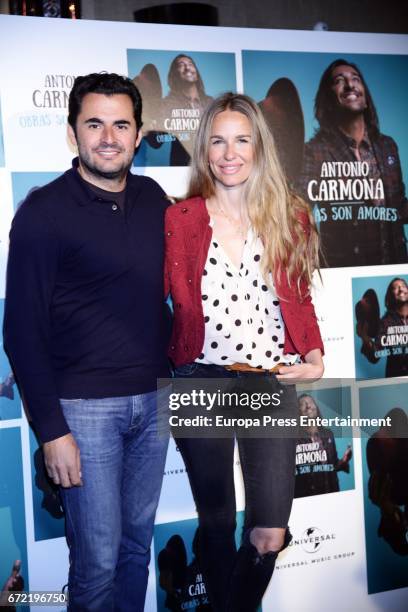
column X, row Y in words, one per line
column 313, row 539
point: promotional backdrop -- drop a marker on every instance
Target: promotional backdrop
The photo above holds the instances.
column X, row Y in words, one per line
column 171, row 116
column 381, row 329
column 335, row 539
column 360, row 210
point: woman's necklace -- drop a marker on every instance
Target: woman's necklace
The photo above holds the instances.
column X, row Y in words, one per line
column 240, row 227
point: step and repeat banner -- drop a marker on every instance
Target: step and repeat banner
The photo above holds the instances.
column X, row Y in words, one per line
column 350, row 513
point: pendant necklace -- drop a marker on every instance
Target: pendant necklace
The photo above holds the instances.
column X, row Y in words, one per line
column 240, row 228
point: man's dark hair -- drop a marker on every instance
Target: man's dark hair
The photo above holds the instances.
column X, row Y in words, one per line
column 390, row 301
column 105, row 83
column 174, row 80
column 326, row 108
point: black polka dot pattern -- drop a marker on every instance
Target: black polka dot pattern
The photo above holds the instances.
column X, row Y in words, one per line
column 243, row 322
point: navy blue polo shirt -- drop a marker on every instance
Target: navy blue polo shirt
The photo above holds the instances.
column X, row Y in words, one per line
column 85, row 315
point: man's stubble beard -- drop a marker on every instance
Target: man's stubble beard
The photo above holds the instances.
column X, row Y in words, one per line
column 113, row 175
column 93, row 169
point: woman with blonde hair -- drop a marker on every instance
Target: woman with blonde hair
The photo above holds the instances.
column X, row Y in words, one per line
column 240, row 253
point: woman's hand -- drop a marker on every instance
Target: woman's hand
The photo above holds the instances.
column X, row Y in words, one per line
column 311, row 369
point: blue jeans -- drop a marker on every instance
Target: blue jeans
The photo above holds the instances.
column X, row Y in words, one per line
column 109, row 520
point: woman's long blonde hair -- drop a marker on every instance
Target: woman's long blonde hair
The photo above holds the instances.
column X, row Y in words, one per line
column 282, row 219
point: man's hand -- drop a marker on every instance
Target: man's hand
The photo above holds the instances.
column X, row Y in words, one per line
column 62, row 460
column 347, row 455
column 14, row 582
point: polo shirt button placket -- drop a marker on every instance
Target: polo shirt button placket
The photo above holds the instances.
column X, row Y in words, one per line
column 114, row 207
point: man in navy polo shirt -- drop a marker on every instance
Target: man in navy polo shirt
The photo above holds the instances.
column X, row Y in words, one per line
column 86, row 332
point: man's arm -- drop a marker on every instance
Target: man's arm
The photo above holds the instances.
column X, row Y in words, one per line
column 31, row 277
column 311, row 167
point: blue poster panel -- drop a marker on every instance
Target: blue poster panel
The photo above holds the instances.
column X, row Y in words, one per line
column 47, row 508
column 180, row 583
column 24, row 183
column 324, row 461
column 339, row 121
column 13, row 543
column 384, row 451
column 10, row 403
column 176, row 87
column 380, row 326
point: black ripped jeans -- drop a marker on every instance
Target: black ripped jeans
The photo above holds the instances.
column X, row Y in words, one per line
column 237, row 580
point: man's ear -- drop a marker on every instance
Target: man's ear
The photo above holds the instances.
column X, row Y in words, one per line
column 138, row 137
column 71, row 136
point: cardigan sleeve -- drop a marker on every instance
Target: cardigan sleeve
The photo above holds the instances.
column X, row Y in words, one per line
column 168, row 243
